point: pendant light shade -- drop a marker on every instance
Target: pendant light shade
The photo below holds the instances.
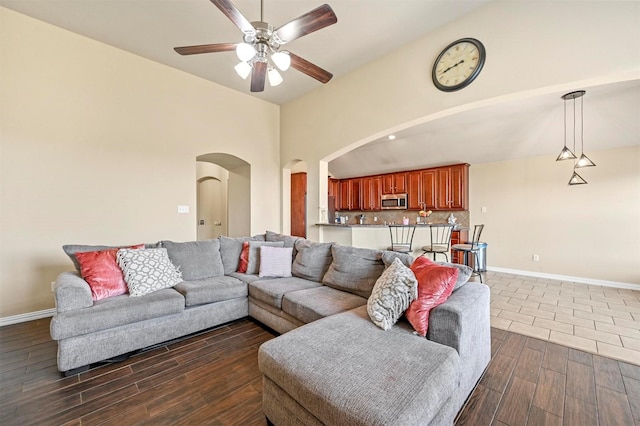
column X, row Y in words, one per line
column 584, row 161
column 566, row 154
column 576, row 179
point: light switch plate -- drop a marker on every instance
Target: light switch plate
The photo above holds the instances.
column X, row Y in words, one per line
column 183, row 209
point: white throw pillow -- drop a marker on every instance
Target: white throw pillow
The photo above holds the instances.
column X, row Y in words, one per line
column 392, row 294
column 275, row 261
column 148, row 270
column 253, row 265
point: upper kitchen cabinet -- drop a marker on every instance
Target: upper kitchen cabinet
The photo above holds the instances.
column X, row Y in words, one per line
column 371, row 193
column 452, row 183
column 334, row 191
column 350, row 194
column 421, row 189
column 394, row 183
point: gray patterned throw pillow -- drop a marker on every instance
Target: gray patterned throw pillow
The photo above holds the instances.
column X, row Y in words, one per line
column 146, row 271
column 396, row 288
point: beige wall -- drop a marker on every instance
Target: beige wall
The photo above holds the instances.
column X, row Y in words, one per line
column 589, row 231
column 98, row 146
column 533, row 48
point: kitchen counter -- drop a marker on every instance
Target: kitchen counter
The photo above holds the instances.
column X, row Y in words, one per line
column 371, row 236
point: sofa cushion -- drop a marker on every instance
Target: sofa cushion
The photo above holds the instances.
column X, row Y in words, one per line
column 464, row 273
column 248, row 279
column 148, row 270
column 210, row 290
column 272, row 290
column 253, row 267
column 315, row 303
column 230, row 249
column 196, row 259
column 435, row 284
column 389, row 256
column 288, row 240
column 275, row 262
column 396, row 288
column 312, row 260
column 116, row 311
column 374, row 377
column 354, row 269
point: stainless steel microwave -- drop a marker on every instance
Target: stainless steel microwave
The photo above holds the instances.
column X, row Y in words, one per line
column 394, row 202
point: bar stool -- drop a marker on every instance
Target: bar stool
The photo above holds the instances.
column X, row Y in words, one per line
column 402, row 238
column 440, row 240
column 471, row 248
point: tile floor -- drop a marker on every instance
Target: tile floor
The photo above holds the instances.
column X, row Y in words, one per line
column 596, row 319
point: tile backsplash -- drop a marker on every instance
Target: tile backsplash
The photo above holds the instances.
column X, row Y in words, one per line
column 391, row 216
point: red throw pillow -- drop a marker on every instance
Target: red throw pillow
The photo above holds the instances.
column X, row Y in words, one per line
column 244, row 258
column 435, row 284
column 101, row 271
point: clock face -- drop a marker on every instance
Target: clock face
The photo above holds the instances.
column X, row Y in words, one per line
column 458, row 64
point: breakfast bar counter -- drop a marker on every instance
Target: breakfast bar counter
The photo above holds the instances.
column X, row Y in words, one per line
column 377, row 236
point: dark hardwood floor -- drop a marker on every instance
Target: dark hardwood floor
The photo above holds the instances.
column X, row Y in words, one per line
column 213, row 378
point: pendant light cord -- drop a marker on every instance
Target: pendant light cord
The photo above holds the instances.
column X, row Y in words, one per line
column 575, row 161
column 261, row 10
column 582, row 125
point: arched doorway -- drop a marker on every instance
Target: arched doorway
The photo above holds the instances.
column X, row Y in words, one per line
column 232, row 196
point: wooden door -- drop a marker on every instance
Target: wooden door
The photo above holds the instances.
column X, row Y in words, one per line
column 298, row 204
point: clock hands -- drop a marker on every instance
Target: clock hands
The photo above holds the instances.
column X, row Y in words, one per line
column 453, row 66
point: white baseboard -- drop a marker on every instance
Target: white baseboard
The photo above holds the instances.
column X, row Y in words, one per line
column 579, row 280
column 29, row 316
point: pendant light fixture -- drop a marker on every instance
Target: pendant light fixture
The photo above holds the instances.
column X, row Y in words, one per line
column 566, row 153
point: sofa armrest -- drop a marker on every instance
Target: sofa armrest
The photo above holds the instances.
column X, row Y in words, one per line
column 71, row 292
column 463, row 321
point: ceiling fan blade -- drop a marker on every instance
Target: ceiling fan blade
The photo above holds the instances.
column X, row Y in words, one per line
column 206, row 48
column 315, row 20
column 258, row 76
column 234, row 15
column 310, row 69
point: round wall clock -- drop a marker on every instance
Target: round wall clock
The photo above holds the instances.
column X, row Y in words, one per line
column 458, row 64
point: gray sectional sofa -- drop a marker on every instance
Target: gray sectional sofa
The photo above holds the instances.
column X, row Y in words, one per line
column 331, row 365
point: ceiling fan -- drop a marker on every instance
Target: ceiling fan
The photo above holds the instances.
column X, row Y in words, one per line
column 260, row 49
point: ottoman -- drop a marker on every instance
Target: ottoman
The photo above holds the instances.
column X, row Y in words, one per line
column 344, row 370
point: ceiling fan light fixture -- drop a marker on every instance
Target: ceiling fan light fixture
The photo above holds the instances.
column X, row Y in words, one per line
column 243, row 69
column 274, row 77
column 245, row 51
column 282, row 60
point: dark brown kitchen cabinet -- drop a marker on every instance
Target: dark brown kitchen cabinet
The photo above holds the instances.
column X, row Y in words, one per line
column 334, row 191
column 298, row 204
column 394, row 183
column 371, row 192
column 350, row 194
column 421, row 189
column 458, row 237
column 452, row 183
